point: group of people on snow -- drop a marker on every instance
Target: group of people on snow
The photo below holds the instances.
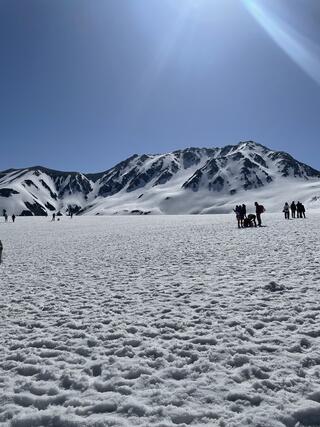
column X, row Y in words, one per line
column 13, row 217
column 250, row 220
column 297, row 210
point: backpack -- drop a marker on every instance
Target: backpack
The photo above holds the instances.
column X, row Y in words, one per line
column 261, row 209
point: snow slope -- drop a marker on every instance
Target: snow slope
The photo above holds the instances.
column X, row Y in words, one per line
column 194, row 180
column 160, row 321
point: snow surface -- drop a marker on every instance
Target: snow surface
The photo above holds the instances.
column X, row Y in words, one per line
column 160, row 321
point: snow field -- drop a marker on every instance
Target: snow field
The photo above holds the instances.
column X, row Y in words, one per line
column 160, row 321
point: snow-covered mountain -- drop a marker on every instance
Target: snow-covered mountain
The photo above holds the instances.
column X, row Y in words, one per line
column 193, row 180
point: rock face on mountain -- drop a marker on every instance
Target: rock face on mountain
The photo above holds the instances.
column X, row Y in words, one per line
column 193, row 180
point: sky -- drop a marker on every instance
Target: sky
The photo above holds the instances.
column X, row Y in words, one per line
column 85, row 84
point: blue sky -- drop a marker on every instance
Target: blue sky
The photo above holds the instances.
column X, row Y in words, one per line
column 87, row 83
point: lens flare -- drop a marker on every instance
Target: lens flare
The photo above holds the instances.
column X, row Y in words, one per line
column 303, row 51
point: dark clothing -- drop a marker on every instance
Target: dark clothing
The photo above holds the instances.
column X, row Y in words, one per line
column 252, row 220
column 259, row 211
column 237, row 211
column 259, row 219
column 301, row 211
column 293, row 208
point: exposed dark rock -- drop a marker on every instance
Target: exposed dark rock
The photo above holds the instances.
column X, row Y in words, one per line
column 194, row 181
column 142, row 178
column 50, row 207
column 236, row 156
column 163, row 178
column 190, row 158
column 36, row 209
column 109, row 189
column 226, row 150
column 258, row 159
column 7, row 192
column 26, row 213
column 30, row 183
column 46, row 186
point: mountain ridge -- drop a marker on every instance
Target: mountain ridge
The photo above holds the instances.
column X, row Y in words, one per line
column 161, row 183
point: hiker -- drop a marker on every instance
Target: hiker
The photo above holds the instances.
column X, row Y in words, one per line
column 53, row 217
column 293, row 208
column 286, row 211
column 303, row 211
column 259, row 211
column 299, row 212
column 1, row 249
column 243, row 213
column 250, row 221
column 237, row 211
column 5, row 217
column 13, row 218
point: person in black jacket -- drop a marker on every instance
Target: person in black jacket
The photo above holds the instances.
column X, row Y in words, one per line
column 299, row 211
column 259, row 211
column 1, row 249
column 250, row 221
column 293, row 208
column 237, row 211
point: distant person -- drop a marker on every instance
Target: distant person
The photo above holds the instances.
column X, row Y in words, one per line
column 286, row 210
column 299, row 211
column 259, row 211
column 6, row 217
column 293, row 208
column 237, row 211
column 1, row 250
column 13, row 218
column 243, row 213
column 303, row 211
column 53, row 217
column 250, row 221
